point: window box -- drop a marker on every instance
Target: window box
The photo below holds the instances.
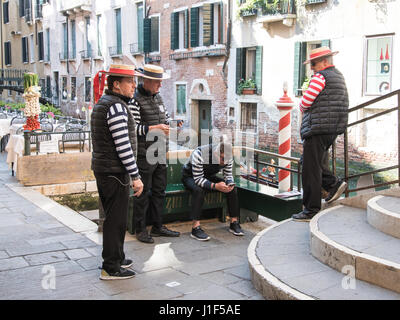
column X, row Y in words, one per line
column 249, row 91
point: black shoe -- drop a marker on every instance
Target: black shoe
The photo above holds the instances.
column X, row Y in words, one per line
column 304, row 216
column 126, row 263
column 163, row 232
column 122, row 274
column 336, row 191
column 144, row 237
column 199, row 234
column 236, row 229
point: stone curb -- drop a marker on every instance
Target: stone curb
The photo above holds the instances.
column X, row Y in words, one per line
column 382, row 219
column 267, row 284
column 381, row 272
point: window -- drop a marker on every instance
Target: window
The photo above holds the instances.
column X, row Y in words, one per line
column 301, row 71
column 65, row 38
column 88, row 83
column 6, row 18
column 249, row 66
column 32, row 48
column 40, row 46
column 73, row 88
column 179, row 29
column 7, row 53
column 206, row 25
column 151, row 37
column 248, row 120
column 48, row 87
column 64, row 94
column 378, row 65
column 21, row 8
column 48, row 44
column 99, row 37
column 118, row 30
column 139, row 13
column 181, row 99
column 25, row 49
column 73, row 39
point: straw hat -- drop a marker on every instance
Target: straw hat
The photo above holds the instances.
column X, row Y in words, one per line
column 319, row 53
column 153, row 72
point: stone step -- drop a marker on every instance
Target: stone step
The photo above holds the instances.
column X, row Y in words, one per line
column 341, row 237
column 383, row 213
column 282, row 267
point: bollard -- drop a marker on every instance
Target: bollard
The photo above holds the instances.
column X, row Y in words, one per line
column 27, row 144
column 284, row 105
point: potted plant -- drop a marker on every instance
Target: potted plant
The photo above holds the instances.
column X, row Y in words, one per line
column 247, row 86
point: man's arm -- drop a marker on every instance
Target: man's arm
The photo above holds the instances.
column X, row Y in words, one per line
column 141, row 129
column 317, row 84
column 228, row 173
column 198, row 172
column 117, row 119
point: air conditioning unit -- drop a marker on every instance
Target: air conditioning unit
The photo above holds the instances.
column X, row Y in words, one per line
column 16, row 33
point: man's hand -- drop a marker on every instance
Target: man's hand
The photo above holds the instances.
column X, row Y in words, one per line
column 221, row 186
column 163, row 127
column 137, row 186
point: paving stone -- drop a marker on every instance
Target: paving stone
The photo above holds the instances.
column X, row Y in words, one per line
column 46, row 258
column 244, row 287
column 220, row 278
column 3, row 255
column 43, row 241
column 213, row 292
column 95, row 251
column 155, row 293
column 28, row 249
column 90, row 263
column 242, row 272
column 76, row 254
column 13, row 263
column 81, row 243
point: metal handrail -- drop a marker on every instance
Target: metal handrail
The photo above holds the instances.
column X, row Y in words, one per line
column 346, row 143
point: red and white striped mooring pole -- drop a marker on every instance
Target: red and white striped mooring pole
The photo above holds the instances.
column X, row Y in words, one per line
column 284, row 105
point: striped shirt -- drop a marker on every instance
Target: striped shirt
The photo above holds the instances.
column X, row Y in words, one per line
column 198, row 171
column 117, row 119
column 142, row 129
column 317, row 84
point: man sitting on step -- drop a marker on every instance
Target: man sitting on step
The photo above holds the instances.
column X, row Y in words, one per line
column 199, row 177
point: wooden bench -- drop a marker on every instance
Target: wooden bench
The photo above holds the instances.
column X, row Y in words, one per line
column 178, row 200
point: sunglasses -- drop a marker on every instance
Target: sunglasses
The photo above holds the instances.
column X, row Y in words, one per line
column 313, row 63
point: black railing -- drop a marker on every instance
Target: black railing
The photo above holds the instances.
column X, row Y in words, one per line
column 151, row 59
column 346, row 143
column 135, row 48
column 282, row 7
column 217, row 52
column 86, row 54
column 115, row 51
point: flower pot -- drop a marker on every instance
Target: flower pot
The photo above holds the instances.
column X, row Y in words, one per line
column 249, row 91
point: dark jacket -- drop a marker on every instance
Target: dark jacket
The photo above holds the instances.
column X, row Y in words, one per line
column 329, row 112
column 105, row 158
column 152, row 112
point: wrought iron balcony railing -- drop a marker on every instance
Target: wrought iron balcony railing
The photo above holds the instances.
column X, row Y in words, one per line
column 282, row 7
column 65, row 56
column 198, row 54
column 151, row 59
column 135, row 48
column 86, row 54
column 115, row 51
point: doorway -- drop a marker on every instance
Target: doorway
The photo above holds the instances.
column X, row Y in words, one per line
column 204, row 122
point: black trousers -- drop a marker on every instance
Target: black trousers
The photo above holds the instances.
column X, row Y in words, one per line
column 152, row 199
column 114, row 195
column 199, row 193
column 316, row 173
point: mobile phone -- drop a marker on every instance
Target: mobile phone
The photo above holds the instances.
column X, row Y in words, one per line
column 231, row 184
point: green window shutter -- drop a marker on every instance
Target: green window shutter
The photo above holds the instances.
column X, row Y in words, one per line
column 186, row 28
column 119, row 31
column 155, row 23
column 208, row 24
column 140, row 26
column 326, row 43
column 239, row 66
column 181, row 99
column 296, row 75
column 146, row 35
column 73, row 39
column 259, row 67
column 174, row 30
column 65, row 53
column 194, row 27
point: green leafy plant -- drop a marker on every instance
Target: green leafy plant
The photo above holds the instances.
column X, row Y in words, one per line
column 246, row 84
column 48, row 108
column 305, row 84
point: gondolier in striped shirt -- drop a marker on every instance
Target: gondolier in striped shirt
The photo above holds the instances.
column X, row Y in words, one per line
column 114, row 163
column 324, row 109
column 199, row 177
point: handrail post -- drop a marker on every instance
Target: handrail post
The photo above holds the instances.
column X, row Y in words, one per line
column 346, row 161
column 27, row 140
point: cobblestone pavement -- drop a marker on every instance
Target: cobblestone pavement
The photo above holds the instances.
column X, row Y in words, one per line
column 41, row 258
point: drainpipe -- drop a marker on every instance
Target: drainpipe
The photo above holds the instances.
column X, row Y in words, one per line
column 228, row 44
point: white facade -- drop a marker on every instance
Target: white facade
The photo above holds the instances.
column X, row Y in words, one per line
column 348, row 25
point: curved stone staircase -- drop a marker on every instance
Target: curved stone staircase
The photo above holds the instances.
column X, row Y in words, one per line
column 348, row 251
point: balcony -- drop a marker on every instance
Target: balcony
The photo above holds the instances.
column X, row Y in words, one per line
column 86, row 54
column 217, row 52
column 115, row 52
column 283, row 10
column 70, row 57
column 71, row 7
column 28, row 16
column 152, row 59
column 135, row 49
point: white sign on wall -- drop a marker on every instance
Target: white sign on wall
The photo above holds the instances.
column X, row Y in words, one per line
column 48, row 146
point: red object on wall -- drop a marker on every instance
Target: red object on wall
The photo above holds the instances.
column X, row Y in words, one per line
column 387, row 52
column 381, row 54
